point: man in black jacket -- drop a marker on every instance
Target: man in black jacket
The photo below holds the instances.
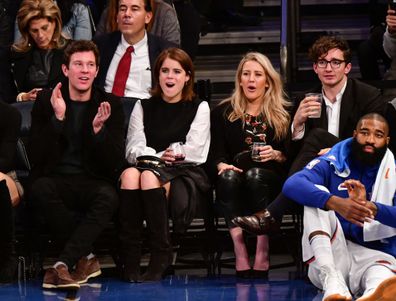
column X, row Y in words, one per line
column 76, row 151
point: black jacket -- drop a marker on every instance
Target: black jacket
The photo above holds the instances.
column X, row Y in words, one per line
column 20, row 62
column 103, row 154
column 358, row 100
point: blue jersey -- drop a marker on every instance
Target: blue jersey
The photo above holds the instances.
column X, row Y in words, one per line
column 301, row 188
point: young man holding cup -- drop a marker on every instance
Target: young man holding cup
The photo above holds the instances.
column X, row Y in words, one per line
column 345, row 101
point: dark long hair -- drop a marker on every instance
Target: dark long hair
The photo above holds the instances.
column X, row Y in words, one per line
column 186, row 63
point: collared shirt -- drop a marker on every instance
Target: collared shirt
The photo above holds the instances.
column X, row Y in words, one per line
column 138, row 84
column 333, row 115
column 333, row 112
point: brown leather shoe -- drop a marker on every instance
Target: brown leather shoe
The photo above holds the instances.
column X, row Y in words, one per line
column 259, row 223
column 60, row 278
column 85, row 269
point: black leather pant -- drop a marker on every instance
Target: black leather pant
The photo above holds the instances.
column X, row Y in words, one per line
column 245, row 193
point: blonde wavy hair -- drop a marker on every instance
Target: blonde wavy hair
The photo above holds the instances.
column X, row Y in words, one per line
column 274, row 102
column 38, row 9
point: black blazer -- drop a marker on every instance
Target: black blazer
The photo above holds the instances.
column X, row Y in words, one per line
column 20, row 63
column 228, row 140
column 103, row 154
column 108, row 43
column 358, row 99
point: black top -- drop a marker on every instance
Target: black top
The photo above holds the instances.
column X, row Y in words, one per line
column 71, row 161
column 165, row 122
column 10, row 122
column 38, row 71
column 22, row 62
column 232, row 138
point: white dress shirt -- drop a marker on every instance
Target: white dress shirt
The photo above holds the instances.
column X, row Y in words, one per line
column 333, row 111
column 138, row 84
column 197, row 139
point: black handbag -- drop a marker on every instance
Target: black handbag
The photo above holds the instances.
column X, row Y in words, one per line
column 149, row 162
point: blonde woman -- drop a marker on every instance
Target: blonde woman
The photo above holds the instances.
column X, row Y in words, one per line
column 36, row 58
column 255, row 112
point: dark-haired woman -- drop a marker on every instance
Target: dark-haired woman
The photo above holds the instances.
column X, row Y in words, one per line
column 157, row 183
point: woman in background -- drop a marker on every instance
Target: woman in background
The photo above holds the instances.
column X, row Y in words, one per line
column 76, row 20
column 36, row 58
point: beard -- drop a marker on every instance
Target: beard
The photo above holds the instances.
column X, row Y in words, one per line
column 358, row 153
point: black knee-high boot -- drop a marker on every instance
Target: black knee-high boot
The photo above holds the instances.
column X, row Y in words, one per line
column 8, row 259
column 156, row 211
column 130, row 232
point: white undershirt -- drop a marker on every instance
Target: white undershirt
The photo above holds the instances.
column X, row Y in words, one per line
column 333, row 111
column 138, row 83
column 197, row 139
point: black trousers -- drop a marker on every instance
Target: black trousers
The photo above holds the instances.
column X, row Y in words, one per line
column 316, row 140
column 244, row 193
column 76, row 208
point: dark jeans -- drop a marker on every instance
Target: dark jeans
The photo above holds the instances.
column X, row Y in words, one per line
column 76, row 208
column 316, row 140
column 245, row 193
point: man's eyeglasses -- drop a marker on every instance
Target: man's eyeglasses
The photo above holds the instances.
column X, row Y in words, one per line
column 335, row 64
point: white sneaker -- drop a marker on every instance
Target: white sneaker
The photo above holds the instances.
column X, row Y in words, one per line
column 334, row 285
column 385, row 291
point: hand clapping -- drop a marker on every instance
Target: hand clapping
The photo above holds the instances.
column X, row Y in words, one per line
column 58, row 103
column 104, row 112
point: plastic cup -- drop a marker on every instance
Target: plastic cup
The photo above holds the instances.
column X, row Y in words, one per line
column 256, row 149
column 319, row 98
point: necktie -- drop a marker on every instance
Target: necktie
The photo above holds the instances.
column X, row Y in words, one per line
column 122, row 73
